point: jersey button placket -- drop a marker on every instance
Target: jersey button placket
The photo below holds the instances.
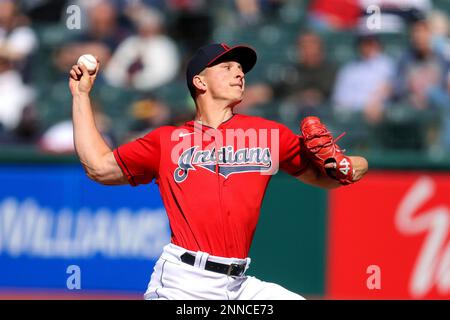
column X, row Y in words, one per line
column 216, row 155
column 224, row 212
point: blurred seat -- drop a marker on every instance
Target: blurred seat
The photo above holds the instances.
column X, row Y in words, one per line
column 176, row 95
column 394, row 43
column 443, row 5
column 406, row 128
column 54, row 103
column 52, row 36
column 340, row 46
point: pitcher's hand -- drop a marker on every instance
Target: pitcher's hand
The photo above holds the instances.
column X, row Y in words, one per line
column 80, row 81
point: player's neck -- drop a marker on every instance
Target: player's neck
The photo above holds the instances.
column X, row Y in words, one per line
column 213, row 115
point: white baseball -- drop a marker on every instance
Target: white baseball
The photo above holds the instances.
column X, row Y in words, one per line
column 89, row 61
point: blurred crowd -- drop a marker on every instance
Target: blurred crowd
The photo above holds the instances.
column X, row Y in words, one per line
column 383, row 101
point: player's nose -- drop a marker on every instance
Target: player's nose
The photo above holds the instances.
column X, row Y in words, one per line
column 239, row 73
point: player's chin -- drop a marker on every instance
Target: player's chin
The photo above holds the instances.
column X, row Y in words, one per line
column 235, row 96
column 235, row 102
column 240, row 95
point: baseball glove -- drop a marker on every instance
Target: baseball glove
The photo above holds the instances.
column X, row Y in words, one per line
column 322, row 149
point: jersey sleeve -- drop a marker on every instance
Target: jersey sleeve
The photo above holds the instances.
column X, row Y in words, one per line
column 291, row 155
column 139, row 159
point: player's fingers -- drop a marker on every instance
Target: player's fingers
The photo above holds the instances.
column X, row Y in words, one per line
column 73, row 74
column 76, row 69
column 84, row 70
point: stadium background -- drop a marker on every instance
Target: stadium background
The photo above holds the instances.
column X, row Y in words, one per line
column 320, row 244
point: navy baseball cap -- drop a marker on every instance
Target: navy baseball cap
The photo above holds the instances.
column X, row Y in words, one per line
column 215, row 53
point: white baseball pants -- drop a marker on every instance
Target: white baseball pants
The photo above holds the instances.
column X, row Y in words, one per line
column 173, row 279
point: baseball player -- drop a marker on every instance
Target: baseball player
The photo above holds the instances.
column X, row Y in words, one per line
column 212, row 174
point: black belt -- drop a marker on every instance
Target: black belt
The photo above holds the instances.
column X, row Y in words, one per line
column 228, row 269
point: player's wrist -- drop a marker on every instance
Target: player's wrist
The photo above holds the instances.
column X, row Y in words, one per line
column 81, row 95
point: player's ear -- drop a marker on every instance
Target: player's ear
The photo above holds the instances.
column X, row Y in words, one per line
column 199, row 83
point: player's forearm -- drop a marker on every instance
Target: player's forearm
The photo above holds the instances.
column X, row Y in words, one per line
column 324, row 181
column 89, row 144
column 315, row 177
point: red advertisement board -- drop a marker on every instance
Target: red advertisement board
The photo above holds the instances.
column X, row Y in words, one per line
column 389, row 237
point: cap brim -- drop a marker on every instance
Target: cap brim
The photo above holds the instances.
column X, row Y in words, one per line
column 246, row 56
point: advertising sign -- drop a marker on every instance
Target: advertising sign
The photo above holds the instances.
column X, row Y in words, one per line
column 389, row 237
column 60, row 230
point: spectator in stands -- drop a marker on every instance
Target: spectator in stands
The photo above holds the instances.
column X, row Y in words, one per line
column 307, row 87
column 29, row 127
column 420, row 70
column 419, row 81
column 192, row 24
column 17, row 39
column 44, row 11
column 249, row 11
column 443, row 103
column 330, row 15
column 101, row 36
column 252, row 12
column 440, row 96
column 440, row 99
column 157, row 4
column 147, row 60
column 363, row 86
column 147, row 114
column 15, row 98
column 271, row 8
column 59, row 137
column 440, row 28
column 103, row 24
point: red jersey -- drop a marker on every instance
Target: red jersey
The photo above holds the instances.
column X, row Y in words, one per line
column 212, row 181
